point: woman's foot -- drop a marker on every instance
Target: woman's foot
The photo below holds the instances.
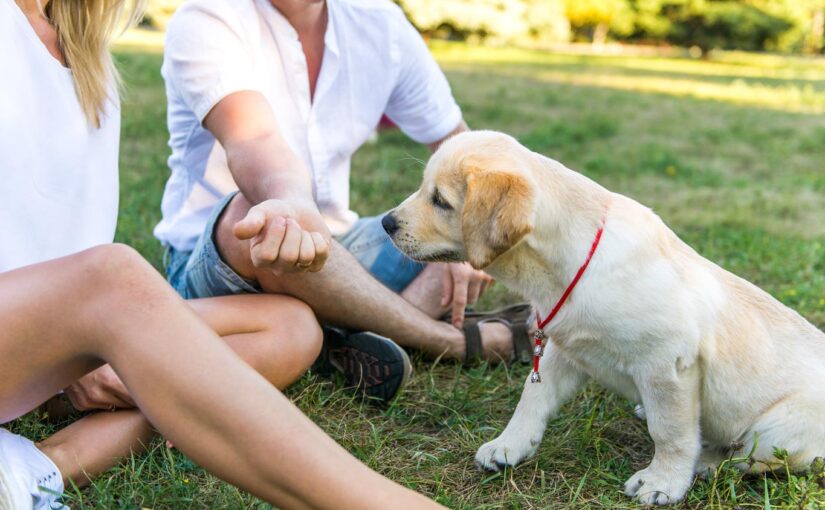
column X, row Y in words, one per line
column 28, row 478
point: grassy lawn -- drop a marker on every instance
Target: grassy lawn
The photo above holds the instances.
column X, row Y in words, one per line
column 729, row 152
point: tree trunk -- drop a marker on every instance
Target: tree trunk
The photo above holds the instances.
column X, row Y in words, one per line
column 818, row 30
column 600, row 34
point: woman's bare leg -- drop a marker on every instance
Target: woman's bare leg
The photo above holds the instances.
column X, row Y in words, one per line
column 96, row 443
column 276, row 335
column 63, row 318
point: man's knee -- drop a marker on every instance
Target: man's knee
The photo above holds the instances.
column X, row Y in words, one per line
column 232, row 250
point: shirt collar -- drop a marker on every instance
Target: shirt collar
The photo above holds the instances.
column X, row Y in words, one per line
column 330, row 36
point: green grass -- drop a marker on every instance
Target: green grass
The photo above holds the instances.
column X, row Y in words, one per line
column 729, row 152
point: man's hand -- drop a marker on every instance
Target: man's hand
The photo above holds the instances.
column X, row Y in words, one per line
column 461, row 286
column 278, row 242
column 100, row 389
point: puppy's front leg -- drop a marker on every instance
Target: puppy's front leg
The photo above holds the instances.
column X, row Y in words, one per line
column 539, row 401
column 671, row 400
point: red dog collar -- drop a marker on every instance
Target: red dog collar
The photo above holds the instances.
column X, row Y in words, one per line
column 539, row 335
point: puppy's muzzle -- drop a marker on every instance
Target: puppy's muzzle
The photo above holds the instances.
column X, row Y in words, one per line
column 390, row 224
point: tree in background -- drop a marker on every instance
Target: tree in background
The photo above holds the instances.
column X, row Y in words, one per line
column 594, row 19
column 817, row 39
column 710, row 24
column 777, row 25
column 158, row 12
column 808, row 17
column 491, row 20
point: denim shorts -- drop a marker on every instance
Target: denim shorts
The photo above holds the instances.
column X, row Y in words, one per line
column 202, row 273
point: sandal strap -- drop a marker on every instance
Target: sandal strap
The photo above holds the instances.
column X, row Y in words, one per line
column 517, row 312
column 472, row 339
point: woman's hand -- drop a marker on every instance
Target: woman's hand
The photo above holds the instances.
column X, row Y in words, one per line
column 99, row 389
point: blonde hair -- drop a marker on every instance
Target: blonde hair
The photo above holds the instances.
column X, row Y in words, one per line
column 85, row 29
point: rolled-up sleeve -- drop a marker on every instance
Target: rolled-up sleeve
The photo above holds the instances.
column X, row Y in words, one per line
column 206, row 57
column 421, row 102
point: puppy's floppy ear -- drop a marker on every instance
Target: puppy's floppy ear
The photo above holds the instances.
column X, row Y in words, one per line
column 498, row 212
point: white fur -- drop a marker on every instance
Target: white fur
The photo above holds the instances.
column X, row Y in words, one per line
column 714, row 360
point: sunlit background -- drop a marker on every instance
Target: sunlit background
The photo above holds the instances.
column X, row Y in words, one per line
column 793, row 26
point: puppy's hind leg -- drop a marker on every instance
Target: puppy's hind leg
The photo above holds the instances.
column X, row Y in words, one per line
column 671, row 399
column 795, row 425
column 539, row 401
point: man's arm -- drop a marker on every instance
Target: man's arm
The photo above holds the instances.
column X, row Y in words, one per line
column 260, row 160
column 272, row 177
column 462, row 127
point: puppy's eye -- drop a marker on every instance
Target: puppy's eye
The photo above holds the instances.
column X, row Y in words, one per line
column 439, row 201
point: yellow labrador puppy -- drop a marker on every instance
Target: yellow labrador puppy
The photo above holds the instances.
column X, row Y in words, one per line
column 721, row 367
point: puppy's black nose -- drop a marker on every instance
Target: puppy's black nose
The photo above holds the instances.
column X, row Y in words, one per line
column 389, row 224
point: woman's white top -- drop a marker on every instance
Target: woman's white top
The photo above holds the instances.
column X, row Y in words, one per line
column 58, row 173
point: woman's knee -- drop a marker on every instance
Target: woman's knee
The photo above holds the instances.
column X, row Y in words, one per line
column 117, row 269
column 112, row 263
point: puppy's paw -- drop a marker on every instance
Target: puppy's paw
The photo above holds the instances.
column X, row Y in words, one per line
column 653, row 487
column 640, row 412
column 505, row 452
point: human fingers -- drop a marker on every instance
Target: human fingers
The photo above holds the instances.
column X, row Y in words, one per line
column 306, row 253
column 446, row 286
column 488, row 282
column 474, row 288
column 266, row 248
column 117, row 392
column 88, row 396
column 461, row 280
column 290, row 247
column 77, row 397
column 321, row 252
column 251, row 225
column 85, row 393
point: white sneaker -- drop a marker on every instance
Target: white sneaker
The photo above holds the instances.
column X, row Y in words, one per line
column 29, row 480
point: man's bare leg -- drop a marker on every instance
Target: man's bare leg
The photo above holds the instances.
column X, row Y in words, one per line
column 344, row 294
column 64, row 318
column 276, row 335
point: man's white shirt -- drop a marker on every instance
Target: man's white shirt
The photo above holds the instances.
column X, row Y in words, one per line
column 374, row 62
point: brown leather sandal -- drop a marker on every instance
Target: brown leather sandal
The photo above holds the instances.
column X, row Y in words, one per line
column 515, row 317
